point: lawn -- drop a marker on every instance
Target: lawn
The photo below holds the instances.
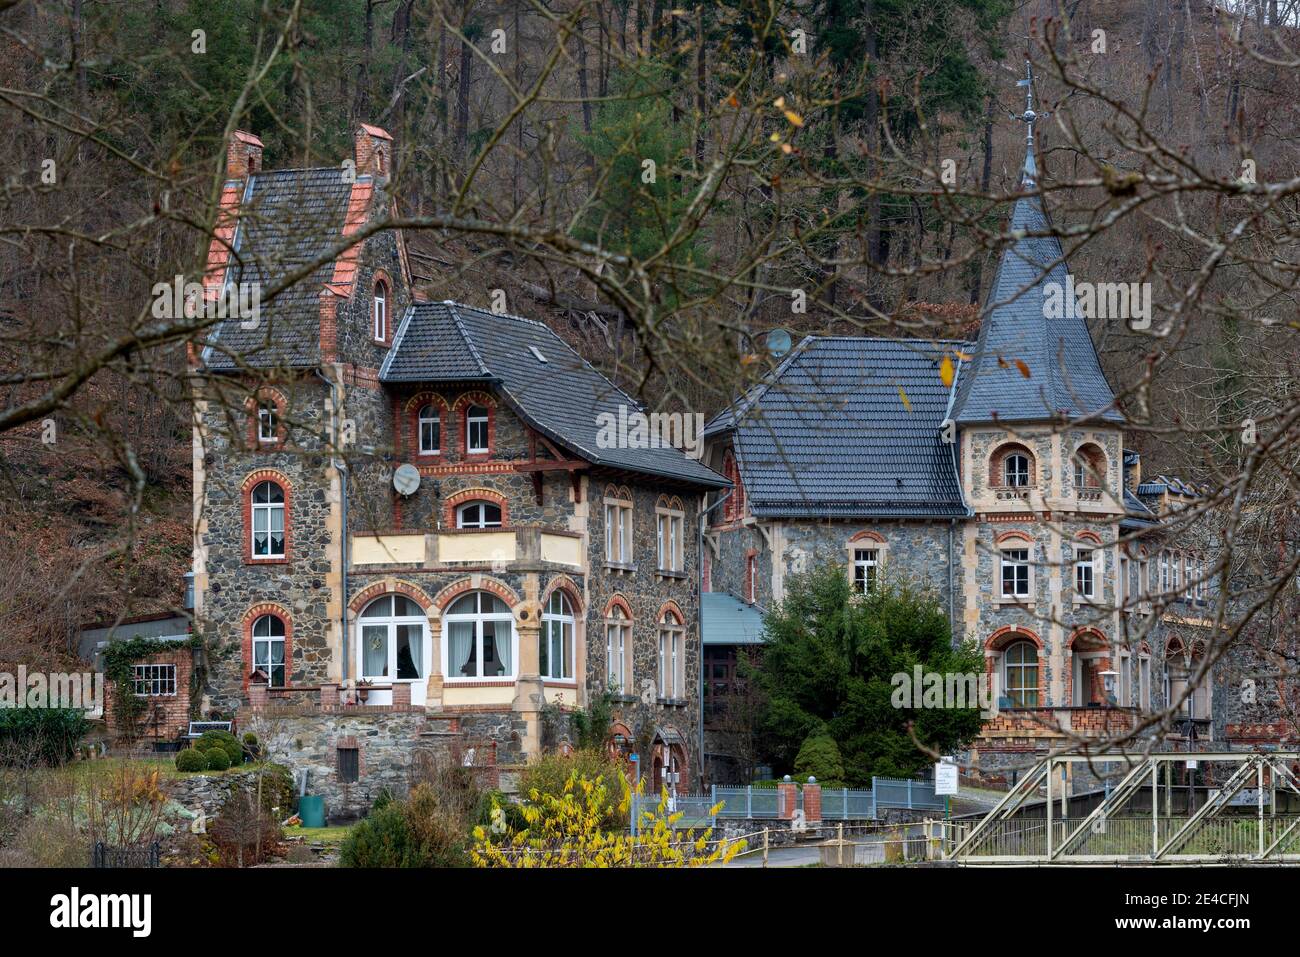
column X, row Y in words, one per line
column 319, row 835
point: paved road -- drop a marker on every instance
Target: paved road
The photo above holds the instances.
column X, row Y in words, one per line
column 870, row 850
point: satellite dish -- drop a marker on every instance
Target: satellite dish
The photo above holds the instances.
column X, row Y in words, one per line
column 778, row 342
column 406, row 479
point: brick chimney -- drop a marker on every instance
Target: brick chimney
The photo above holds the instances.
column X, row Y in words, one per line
column 243, row 155
column 374, row 153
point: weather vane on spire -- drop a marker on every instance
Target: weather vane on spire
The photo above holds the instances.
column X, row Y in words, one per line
column 1029, row 118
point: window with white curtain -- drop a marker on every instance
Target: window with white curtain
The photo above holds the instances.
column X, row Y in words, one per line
column 430, row 430
column 268, row 520
column 671, row 552
column 555, row 654
column 268, row 649
column 476, row 429
column 480, row 637
column 618, row 531
column 393, row 629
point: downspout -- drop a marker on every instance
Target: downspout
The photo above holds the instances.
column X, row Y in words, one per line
column 961, row 494
column 341, row 470
column 699, row 591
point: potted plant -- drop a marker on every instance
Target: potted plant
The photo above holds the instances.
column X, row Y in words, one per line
column 363, row 689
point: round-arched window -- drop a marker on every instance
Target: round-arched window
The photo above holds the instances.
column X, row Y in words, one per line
column 555, row 653
column 480, row 638
column 1015, row 470
column 1020, row 674
column 478, row 514
column 268, row 520
column 392, row 644
column 268, row 649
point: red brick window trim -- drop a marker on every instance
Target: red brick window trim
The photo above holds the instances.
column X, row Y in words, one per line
column 1088, row 466
column 267, row 431
column 734, row 509
column 381, row 310
column 454, row 505
column 267, row 512
column 428, row 409
column 476, row 403
column 251, row 618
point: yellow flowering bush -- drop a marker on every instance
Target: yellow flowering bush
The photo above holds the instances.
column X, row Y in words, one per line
column 568, row 830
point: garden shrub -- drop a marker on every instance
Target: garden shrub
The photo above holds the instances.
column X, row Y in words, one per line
column 217, row 759
column 244, row 833
column 191, row 759
column 550, row 772
column 30, row 736
column 819, row 756
column 428, row 829
column 278, row 791
column 226, row 742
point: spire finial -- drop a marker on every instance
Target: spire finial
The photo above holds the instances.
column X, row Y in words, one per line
column 1029, row 117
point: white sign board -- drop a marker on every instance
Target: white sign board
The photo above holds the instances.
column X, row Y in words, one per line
column 945, row 777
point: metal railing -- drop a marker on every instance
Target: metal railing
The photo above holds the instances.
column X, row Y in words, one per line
column 758, row 802
column 144, row 855
column 1134, row 836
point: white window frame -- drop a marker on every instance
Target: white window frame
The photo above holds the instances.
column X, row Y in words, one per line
column 618, row 646
column 1007, row 561
column 866, row 569
column 481, row 504
column 267, row 641
column 1021, row 480
column 558, row 615
column 435, row 421
column 1085, row 567
column 1124, row 693
column 618, row 531
column 267, row 510
column 471, row 420
column 268, row 422
column 1007, row 665
column 751, row 578
column 670, row 525
column 390, row 623
column 154, row 680
column 380, row 312
column 479, row 618
column 671, row 631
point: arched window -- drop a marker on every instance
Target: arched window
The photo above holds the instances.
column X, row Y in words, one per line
column 480, row 637
column 381, row 311
column 268, row 520
column 478, row 514
column 671, row 655
column 1015, row 470
column 1089, row 467
column 1020, row 674
column 430, row 426
column 268, row 649
column 555, row 654
column 618, row 649
column 476, row 430
column 392, row 639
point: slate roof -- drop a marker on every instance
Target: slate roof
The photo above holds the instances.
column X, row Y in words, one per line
column 726, row 620
column 830, row 434
column 288, row 218
column 1065, row 376
column 562, row 397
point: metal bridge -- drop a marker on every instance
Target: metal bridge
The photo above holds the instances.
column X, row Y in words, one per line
column 1230, row 826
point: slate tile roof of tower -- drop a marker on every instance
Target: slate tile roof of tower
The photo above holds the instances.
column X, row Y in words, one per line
column 1065, row 376
column 560, row 394
column 830, row 433
column 287, row 218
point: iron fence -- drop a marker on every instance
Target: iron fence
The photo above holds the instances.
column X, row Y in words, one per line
column 759, row 802
column 142, row 855
column 1136, row 837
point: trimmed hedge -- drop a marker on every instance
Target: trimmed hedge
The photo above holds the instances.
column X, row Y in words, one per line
column 191, row 759
column 218, row 760
column 40, row 735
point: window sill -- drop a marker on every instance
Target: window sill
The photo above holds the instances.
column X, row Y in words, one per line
column 627, row 567
column 1023, row 601
column 672, row 702
column 623, row 698
column 671, row 573
column 281, row 560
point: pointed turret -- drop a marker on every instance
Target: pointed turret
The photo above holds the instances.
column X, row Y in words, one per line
column 1029, row 325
